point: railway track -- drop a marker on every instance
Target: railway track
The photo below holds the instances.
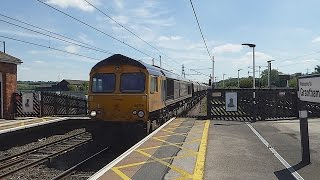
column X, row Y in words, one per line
column 71, row 171
column 41, row 154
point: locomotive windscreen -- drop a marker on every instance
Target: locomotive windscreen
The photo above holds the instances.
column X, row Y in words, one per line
column 102, row 82
column 132, row 82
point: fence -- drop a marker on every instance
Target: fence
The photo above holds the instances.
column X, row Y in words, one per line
column 50, row 104
column 270, row 104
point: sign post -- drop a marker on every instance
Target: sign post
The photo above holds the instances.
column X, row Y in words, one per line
column 308, row 91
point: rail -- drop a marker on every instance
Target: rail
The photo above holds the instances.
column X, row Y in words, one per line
column 72, row 169
column 38, row 155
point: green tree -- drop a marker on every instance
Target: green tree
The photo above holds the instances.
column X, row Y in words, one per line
column 246, row 83
column 275, row 80
column 231, row 83
column 85, row 87
column 73, row 88
column 317, row 70
column 293, row 82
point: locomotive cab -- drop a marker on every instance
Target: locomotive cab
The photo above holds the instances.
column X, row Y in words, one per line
column 120, row 88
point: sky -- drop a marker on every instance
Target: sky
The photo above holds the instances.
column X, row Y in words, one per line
column 286, row 31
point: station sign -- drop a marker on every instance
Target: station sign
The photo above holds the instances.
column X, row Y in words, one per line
column 231, row 101
column 309, row 89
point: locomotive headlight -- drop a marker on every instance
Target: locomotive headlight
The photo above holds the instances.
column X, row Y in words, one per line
column 134, row 112
column 140, row 114
column 93, row 113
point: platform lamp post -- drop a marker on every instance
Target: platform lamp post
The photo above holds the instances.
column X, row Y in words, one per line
column 254, row 79
column 239, row 78
column 223, row 80
column 269, row 73
column 212, row 80
column 4, row 46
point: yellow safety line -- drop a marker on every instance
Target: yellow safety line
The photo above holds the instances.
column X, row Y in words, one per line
column 181, row 134
column 175, row 134
column 199, row 168
column 177, row 122
column 167, row 131
column 146, row 162
column 185, row 127
column 178, row 170
column 176, row 145
column 120, row 174
column 185, row 142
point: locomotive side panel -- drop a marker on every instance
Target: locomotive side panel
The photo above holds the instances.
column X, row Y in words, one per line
column 155, row 99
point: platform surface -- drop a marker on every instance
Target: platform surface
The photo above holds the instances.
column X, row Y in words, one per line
column 176, row 151
column 18, row 124
column 190, row 148
column 236, row 152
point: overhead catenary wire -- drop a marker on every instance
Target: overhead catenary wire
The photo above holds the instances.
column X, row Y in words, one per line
column 130, row 31
column 94, row 28
column 121, row 25
column 48, row 47
column 204, row 40
column 60, row 39
column 100, row 31
column 51, row 32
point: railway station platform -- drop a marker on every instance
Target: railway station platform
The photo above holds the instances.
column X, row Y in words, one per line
column 190, row 148
column 23, row 123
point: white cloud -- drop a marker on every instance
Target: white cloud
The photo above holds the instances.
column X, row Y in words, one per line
column 84, row 38
column 287, row 62
column 25, row 68
column 309, row 61
column 316, row 40
column 259, row 56
column 119, row 3
column 72, row 49
column 23, row 34
column 227, row 48
column 168, row 38
column 78, row 4
column 39, row 62
column 121, row 19
column 246, row 60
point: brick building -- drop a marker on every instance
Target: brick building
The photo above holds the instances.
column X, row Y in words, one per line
column 8, row 83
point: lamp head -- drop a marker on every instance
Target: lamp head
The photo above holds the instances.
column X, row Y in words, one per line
column 248, row 44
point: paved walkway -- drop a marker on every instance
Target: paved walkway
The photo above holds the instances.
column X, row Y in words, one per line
column 284, row 136
column 174, row 151
column 236, row 152
column 188, row 148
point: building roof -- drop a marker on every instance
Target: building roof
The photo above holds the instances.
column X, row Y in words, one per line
column 6, row 58
column 74, row 82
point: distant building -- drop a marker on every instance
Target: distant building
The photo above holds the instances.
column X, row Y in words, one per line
column 64, row 84
column 283, row 80
column 44, row 86
column 8, row 84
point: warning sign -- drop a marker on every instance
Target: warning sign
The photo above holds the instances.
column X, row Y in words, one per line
column 231, row 101
column 27, row 102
